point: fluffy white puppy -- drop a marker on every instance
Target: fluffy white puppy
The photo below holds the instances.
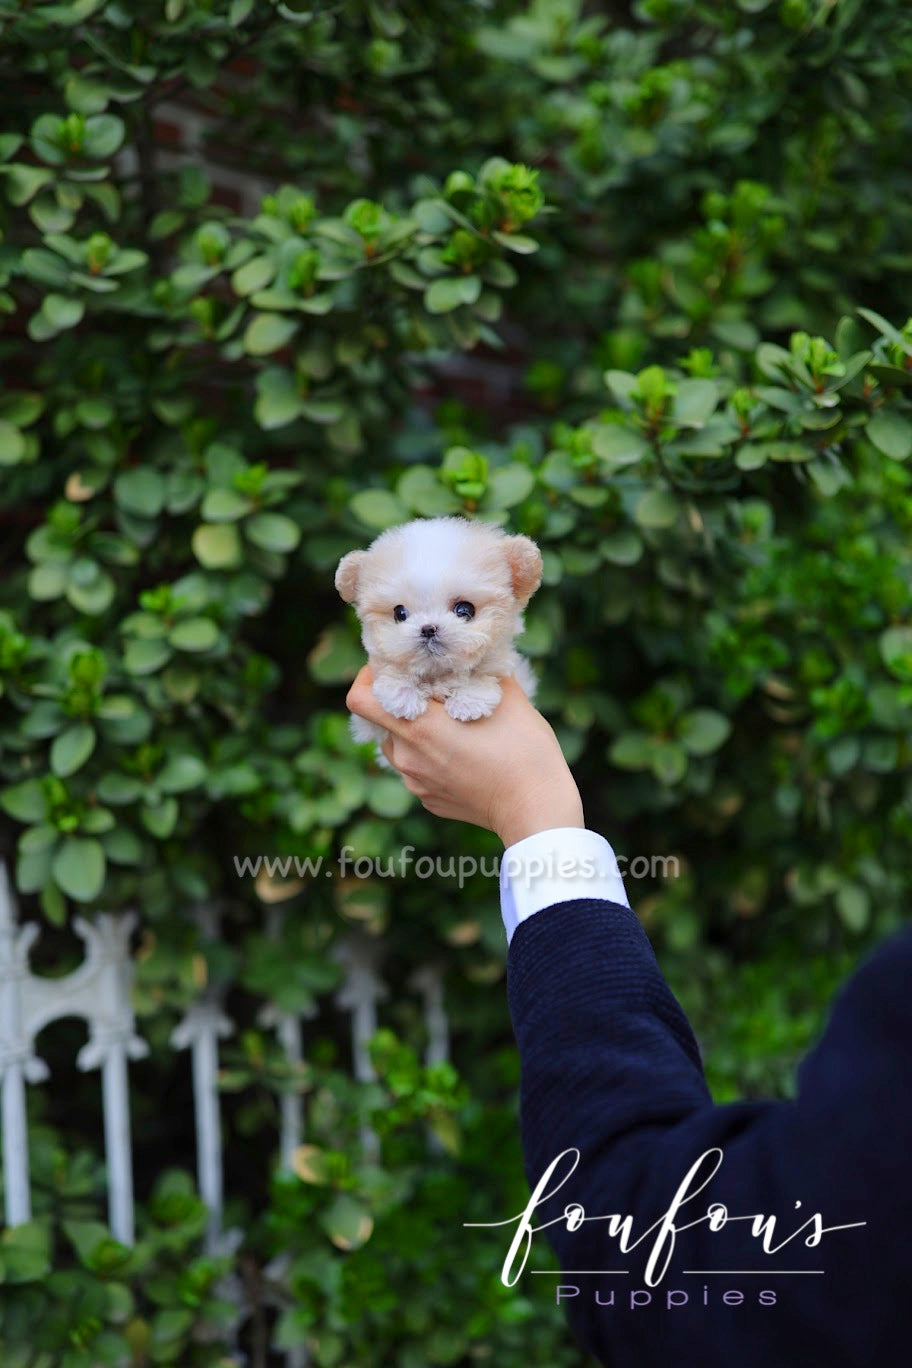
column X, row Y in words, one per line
column 440, row 602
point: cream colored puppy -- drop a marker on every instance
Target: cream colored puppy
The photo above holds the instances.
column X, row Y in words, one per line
column 440, row 602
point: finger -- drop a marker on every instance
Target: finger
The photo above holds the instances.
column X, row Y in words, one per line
column 360, row 698
column 386, row 748
column 514, row 691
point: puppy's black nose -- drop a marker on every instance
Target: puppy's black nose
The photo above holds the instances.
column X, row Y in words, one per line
column 428, row 631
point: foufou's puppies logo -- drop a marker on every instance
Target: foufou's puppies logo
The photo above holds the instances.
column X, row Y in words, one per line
column 658, row 1240
column 440, row 603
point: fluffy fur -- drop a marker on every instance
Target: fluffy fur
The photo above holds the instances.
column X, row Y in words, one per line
column 433, row 571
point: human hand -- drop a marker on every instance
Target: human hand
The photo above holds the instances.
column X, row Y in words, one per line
column 505, row 772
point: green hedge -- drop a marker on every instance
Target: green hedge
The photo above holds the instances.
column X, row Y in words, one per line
column 204, row 409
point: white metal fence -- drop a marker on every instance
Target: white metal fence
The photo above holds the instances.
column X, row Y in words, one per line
column 99, row 991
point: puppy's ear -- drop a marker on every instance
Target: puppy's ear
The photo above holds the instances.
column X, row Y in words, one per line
column 525, row 562
column 348, row 573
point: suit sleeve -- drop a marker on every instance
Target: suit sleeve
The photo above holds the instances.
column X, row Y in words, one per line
column 610, row 1068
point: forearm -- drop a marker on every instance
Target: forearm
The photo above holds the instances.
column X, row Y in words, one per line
column 610, row 1069
column 595, row 1022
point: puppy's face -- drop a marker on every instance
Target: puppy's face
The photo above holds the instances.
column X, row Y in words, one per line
column 434, row 596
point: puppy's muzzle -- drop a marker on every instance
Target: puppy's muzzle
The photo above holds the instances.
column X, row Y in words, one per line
column 429, row 638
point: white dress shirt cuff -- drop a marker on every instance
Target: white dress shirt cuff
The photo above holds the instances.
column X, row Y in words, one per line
column 556, row 866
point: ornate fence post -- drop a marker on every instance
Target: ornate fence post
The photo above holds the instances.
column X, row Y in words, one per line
column 428, row 981
column 203, row 1026
column 98, row 990
column 287, row 1026
column 104, row 997
column 18, row 1061
column 360, row 993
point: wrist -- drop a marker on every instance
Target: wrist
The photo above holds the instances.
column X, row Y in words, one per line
column 550, row 811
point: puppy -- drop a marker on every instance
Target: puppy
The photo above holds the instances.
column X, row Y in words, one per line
column 440, row 602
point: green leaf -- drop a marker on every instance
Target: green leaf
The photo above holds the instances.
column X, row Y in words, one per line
column 119, row 788
column 118, row 708
column 580, row 561
column 36, row 839
column 23, row 182
column 170, row 1327
column 623, row 385
column 97, row 821
column 93, row 598
column 754, row 455
column 79, row 868
column 703, row 731
column 50, row 216
column 72, row 748
column 449, row 292
column 887, row 330
column 420, row 490
column 336, row 658
column 516, row 242
column 272, row 531
column 26, row 802
column 44, row 268
column 829, row 477
column 181, row 772
column 87, row 96
column 347, row 1222
column 633, row 750
column 13, row 446
column 62, row 312
column 25, row 1252
column 53, row 903
column 891, row 434
column 22, row 407
column 217, row 546
column 617, row 444
column 669, row 762
column 853, row 904
column 254, row 275
column 843, row 754
column 657, row 508
column 278, row 401
column 194, row 634
column 123, row 846
column 896, row 651
column 322, row 411
column 509, row 485
column 143, row 656
column 160, row 819
column 225, row 505
column 623, row 547
column 388, row 796
column 695, row 402
column 87, row 1239
column 268, row 332
column 94, row 412
column 141, row 490
column 378, row 508
column 33, row 871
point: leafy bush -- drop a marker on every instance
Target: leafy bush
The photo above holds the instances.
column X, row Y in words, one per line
column 229, row 362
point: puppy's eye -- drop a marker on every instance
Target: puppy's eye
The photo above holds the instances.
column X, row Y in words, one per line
column 400, row 613
column 464, row 610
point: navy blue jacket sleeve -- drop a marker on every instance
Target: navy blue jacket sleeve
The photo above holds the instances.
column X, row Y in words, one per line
column 611, row 1069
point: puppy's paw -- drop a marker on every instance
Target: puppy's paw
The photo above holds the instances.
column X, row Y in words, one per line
column 525, row 676
column 476, row 699
column 363, row 731
column 400, row 698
